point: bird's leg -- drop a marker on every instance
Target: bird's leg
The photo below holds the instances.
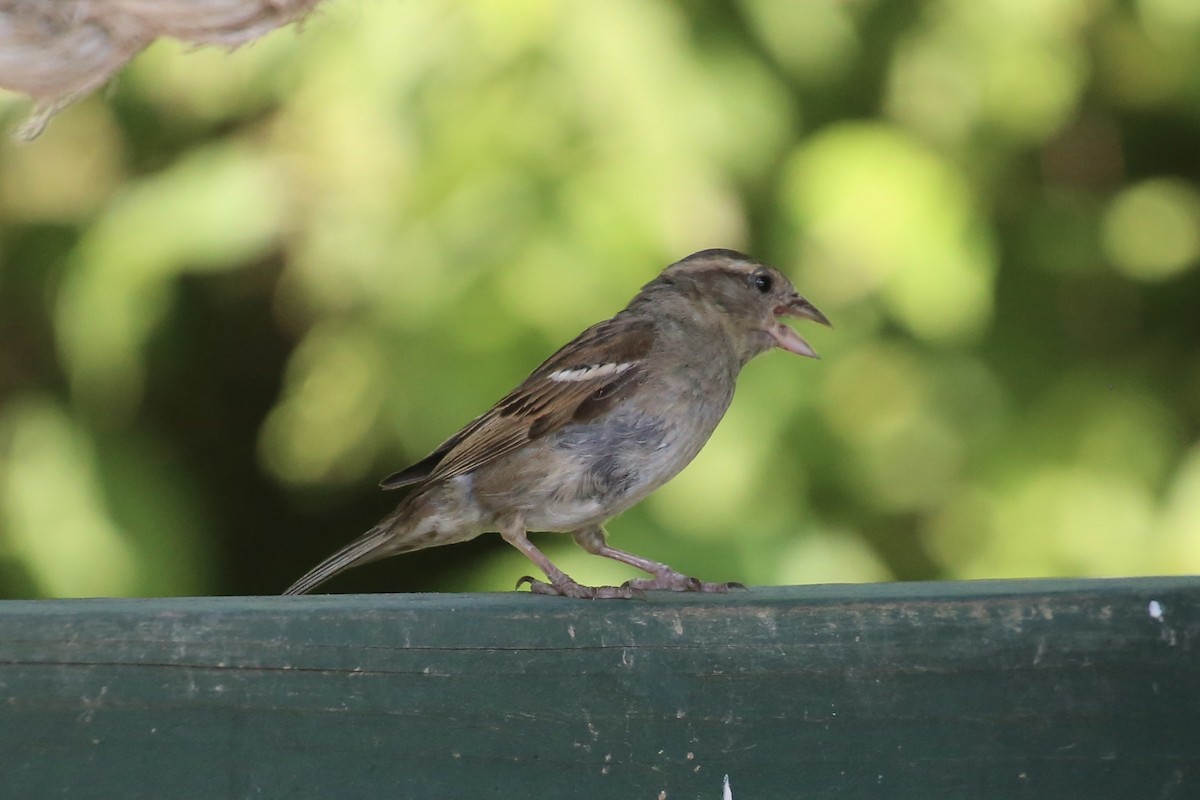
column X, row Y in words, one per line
column 560, row 583
column 594, row 541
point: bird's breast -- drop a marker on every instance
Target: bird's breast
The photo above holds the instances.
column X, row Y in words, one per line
column 587, row 472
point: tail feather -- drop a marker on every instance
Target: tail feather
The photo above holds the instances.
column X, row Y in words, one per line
column 367, row 547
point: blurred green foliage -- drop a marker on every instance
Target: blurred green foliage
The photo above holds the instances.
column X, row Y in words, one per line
column 238, row 288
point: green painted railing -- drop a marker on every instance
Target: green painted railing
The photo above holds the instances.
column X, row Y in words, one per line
column 1029, row 689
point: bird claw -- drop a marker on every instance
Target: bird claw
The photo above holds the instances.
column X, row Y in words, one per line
column 569, row 588
column 678, row 582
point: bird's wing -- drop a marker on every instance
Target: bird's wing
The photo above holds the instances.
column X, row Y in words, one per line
column 580, row 382
column 422, row 469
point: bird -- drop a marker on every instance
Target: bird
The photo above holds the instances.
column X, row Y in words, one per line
column 603, row 422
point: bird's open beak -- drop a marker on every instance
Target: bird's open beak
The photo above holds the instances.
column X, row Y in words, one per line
column 787, row 338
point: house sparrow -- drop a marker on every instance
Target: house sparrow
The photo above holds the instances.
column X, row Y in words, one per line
column 605, row 421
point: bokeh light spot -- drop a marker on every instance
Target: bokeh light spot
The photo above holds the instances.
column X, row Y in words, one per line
column 52, row 508
column 1152, row 230
column 879, row 214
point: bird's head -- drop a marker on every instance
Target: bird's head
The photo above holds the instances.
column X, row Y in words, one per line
column 746, row 298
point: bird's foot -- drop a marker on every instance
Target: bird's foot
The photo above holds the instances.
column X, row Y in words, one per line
column 570, row 588
column 673, row 581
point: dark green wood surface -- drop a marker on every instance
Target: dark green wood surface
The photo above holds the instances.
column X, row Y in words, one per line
column 1034, row 689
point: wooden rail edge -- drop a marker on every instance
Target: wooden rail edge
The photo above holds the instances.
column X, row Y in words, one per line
column 998, row 689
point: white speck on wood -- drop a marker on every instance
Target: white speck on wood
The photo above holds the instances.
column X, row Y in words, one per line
column 1156, row 611
column 726, row 792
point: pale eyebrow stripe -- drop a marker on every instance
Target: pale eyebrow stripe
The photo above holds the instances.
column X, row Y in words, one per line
column 737, row 267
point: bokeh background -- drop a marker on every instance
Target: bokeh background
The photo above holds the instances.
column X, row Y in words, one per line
column 237, row 289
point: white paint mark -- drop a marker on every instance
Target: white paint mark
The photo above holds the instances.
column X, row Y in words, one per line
column 726, row 792
column 690, row 756
column 579, row 374
column 662, row 795
column 571, row 632
column 90, row 704
column 1159, row 614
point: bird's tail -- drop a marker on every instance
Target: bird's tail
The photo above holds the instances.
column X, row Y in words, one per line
column 368, row 547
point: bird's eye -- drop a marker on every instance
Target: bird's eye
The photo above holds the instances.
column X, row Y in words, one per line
column 762, row 282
